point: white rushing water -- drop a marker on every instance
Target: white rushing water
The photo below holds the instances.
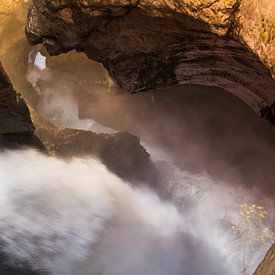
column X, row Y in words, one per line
column 75, row 217
column 203, row 210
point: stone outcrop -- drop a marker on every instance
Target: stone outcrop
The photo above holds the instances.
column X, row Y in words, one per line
column 113, row 150
column 16, row 128
column 267, row 267
column 151, row 44
column 121, row 152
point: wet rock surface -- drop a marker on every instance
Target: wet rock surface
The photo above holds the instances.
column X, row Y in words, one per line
column 121, row 152
column 16, row 128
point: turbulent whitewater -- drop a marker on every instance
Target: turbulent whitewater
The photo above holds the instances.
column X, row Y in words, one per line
column 75, row 217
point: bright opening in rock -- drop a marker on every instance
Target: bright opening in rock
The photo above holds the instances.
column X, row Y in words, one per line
column 40, row 61
column 176, row 179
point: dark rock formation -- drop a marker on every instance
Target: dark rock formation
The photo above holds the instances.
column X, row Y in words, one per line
column 268, row 113
column 121, row 152
column 267, row 266
column 16, row 128
column 146, row 46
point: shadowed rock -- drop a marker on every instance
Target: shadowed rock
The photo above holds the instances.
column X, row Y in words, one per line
column 268, row 113
column 121, row 152
column 16, row 128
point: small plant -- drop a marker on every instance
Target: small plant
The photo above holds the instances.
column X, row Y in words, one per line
column 251, row 232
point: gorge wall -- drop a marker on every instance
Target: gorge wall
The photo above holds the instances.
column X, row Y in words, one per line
column 145, row 44
column 16, row 128
column 21, row 121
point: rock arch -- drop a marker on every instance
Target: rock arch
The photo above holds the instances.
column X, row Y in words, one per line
column 151, row 46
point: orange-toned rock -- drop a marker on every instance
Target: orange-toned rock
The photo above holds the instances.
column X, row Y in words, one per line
column 267, row 266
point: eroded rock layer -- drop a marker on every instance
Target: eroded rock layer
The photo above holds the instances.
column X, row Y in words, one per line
column 145, row 44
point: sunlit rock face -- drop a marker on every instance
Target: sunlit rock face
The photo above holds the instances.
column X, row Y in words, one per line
column 267, row 267
column 9, row 8
column 145, row 44
column 255, row 26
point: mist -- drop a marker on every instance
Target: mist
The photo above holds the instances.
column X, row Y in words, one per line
column 68, row 217
column 211, row 151
column 201, row 150
column 198, row 129
column 60, row 109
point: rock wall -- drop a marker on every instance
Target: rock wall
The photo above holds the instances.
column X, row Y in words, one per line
column 151, row 44
column 16, row 128
column 113, row 150
column 121, row 152
column 267, row 267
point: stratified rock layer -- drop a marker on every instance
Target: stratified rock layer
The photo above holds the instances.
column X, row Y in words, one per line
column 257, row 30
column 267, row 267
column 150, row 44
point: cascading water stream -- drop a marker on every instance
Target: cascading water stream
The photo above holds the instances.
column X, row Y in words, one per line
column 208, row 206
column 76, row 217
